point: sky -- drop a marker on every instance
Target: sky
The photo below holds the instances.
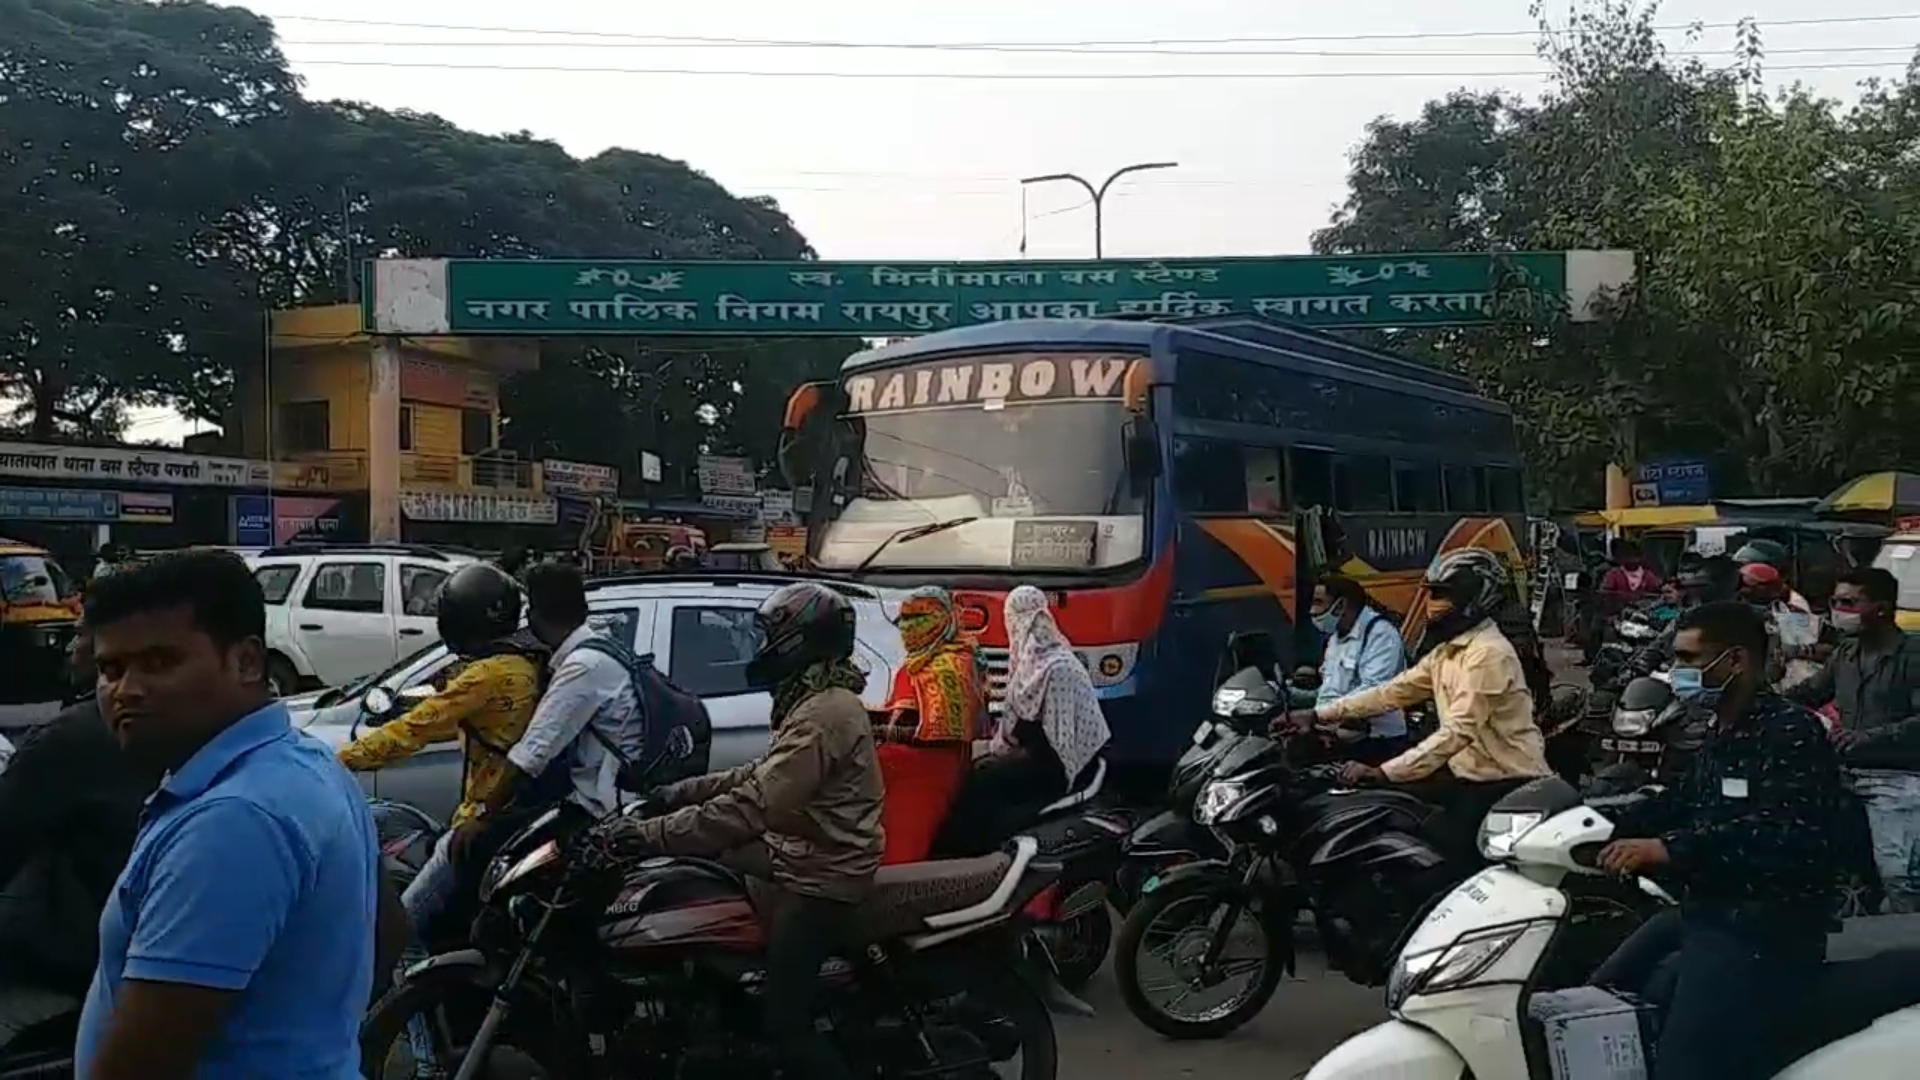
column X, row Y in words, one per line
column 885, row 142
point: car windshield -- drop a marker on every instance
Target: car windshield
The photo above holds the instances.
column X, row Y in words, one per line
column 1040, row 476
column 32, row 579
column 367, row 682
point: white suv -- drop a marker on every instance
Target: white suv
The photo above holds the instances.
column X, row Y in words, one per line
column 336, row 612
column 698, row 627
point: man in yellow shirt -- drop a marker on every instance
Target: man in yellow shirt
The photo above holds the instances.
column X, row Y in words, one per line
column 487, row 705
column 1487, row 742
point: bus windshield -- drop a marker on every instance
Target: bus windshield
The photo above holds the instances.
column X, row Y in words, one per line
column 1041, row 477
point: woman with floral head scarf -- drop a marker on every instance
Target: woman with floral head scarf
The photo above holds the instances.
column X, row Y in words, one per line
column 1048, row 737
column 927, row 739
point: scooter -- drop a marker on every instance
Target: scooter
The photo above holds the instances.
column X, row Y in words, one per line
column 1461, row 991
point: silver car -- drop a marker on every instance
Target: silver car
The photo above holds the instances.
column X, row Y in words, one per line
column 699, row 630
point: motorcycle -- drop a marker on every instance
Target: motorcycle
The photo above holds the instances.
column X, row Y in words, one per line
column 1471, row 993
column 1242, row 707
column 588, row 966
column 1651, row 737
column 1365, row 863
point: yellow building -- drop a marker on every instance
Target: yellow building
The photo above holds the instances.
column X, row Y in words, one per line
column 412, row 423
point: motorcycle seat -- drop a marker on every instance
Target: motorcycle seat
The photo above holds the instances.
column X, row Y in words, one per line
column 905, row 895
column 1851, row 994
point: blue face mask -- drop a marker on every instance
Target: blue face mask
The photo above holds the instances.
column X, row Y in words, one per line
column 1328, row 621
column 1690, row 684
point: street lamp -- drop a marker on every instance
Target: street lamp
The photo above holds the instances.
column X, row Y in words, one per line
column 1100, row 193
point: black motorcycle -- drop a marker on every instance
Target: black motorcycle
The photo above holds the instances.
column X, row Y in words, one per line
column 586, row 965
column 1651, row 737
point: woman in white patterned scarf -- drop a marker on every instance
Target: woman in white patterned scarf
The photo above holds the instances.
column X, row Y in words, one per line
column 1049, row 735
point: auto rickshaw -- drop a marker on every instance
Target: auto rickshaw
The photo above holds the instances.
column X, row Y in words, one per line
column 39, row 611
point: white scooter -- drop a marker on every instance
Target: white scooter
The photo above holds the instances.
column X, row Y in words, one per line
column 1459, row 992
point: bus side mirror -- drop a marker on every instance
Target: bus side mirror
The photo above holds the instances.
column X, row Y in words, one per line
column 804, row 429
column 1140, row 444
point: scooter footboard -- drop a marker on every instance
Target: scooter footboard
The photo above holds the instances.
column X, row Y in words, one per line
column 1395, row 1050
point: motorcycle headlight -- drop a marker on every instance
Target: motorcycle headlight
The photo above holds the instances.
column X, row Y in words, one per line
column 1452, row 967
column 1214, row 800
column 1637, row 631
column 1632, row 723
column 1499, row 831
column 1225, row 698
column 502, row 873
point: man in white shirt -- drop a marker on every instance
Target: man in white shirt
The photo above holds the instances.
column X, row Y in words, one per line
column 567, row 754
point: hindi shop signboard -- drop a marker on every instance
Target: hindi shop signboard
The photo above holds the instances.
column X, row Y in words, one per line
column 557, row 297
column 49, row 462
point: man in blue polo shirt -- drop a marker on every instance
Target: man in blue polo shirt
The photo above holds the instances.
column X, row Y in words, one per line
column 239, row 942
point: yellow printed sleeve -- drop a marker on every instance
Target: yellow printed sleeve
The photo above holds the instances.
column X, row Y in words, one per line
column 435, row 719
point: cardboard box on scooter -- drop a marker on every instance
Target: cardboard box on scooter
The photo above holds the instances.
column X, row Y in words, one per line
column 1592, row 1034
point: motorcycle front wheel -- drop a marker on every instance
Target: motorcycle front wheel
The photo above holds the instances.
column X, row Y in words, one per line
column 449, row 1003
column 1159, row 961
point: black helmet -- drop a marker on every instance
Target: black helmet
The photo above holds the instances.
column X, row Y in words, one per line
column 1474, row 579
column 800, row 625
column 478, row 606
column 1770, row 552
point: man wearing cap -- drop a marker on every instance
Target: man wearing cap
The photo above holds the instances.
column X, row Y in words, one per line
column 1800, row 645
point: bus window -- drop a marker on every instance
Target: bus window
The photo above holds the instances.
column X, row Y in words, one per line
column 1362, row 482
column 1503, row 490
column 1416, row 488
column 1266, row 479
column 1311, row 473
column 1463, row 493
column 1209, row 476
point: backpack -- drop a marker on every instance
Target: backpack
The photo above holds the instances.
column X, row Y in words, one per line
column 671, row 731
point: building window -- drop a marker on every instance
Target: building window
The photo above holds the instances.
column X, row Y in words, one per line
column 302, row 427
column 476, row 431
column 406, row 428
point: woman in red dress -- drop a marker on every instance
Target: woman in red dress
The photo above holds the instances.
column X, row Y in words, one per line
column 926, row 740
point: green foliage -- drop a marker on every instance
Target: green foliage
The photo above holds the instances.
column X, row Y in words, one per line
column 1774, row 326
column 162, row 184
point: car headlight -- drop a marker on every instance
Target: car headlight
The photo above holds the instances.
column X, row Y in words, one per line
column 1214, row 800
column 1632, row 722
column 1452, row 967
column 1500, row 830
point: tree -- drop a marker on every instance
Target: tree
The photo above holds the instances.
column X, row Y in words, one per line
column 103, row 197
column 1768, row 329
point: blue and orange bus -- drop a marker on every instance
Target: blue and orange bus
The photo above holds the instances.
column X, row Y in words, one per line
column 1147, row 475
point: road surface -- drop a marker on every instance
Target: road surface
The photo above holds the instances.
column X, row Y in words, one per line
column 1309, row 1015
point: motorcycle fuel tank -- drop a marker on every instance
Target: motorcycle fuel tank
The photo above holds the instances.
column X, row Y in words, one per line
column 669, row 906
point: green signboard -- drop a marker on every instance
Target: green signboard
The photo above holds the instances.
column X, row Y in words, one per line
column 561, row 297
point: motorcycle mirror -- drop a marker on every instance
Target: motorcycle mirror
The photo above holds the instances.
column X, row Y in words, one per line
column 377, row 702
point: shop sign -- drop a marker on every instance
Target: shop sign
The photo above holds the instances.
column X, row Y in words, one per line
column 580, row 478
column 147, row 507
column 477, row 507
column 732, row 505
column 46, row 462
column 724, row 475
column 49, row 504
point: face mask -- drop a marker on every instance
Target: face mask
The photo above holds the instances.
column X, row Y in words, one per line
column 1848, row 622
column 1327, row 621
column 1690, row 684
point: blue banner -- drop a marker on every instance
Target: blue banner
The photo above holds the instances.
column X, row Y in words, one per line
column 49, row 504
column 252, row 520
column 1672, row 483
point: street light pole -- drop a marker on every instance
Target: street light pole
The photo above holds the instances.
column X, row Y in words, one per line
column 1099, row 194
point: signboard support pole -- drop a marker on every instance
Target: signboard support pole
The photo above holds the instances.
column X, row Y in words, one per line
column 383, row 441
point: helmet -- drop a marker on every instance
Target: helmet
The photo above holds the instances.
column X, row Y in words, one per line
column 478, row 605
column 1474, row 579
column 800, row 625
column 1759, row 573
column 1771, row 552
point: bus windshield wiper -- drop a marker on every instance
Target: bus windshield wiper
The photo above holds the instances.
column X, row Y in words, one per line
column 913, row 532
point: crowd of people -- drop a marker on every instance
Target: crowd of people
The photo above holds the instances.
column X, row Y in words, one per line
column 226, row 854
column 243, row 916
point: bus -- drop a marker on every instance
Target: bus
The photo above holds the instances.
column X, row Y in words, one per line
column 1151, row 477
